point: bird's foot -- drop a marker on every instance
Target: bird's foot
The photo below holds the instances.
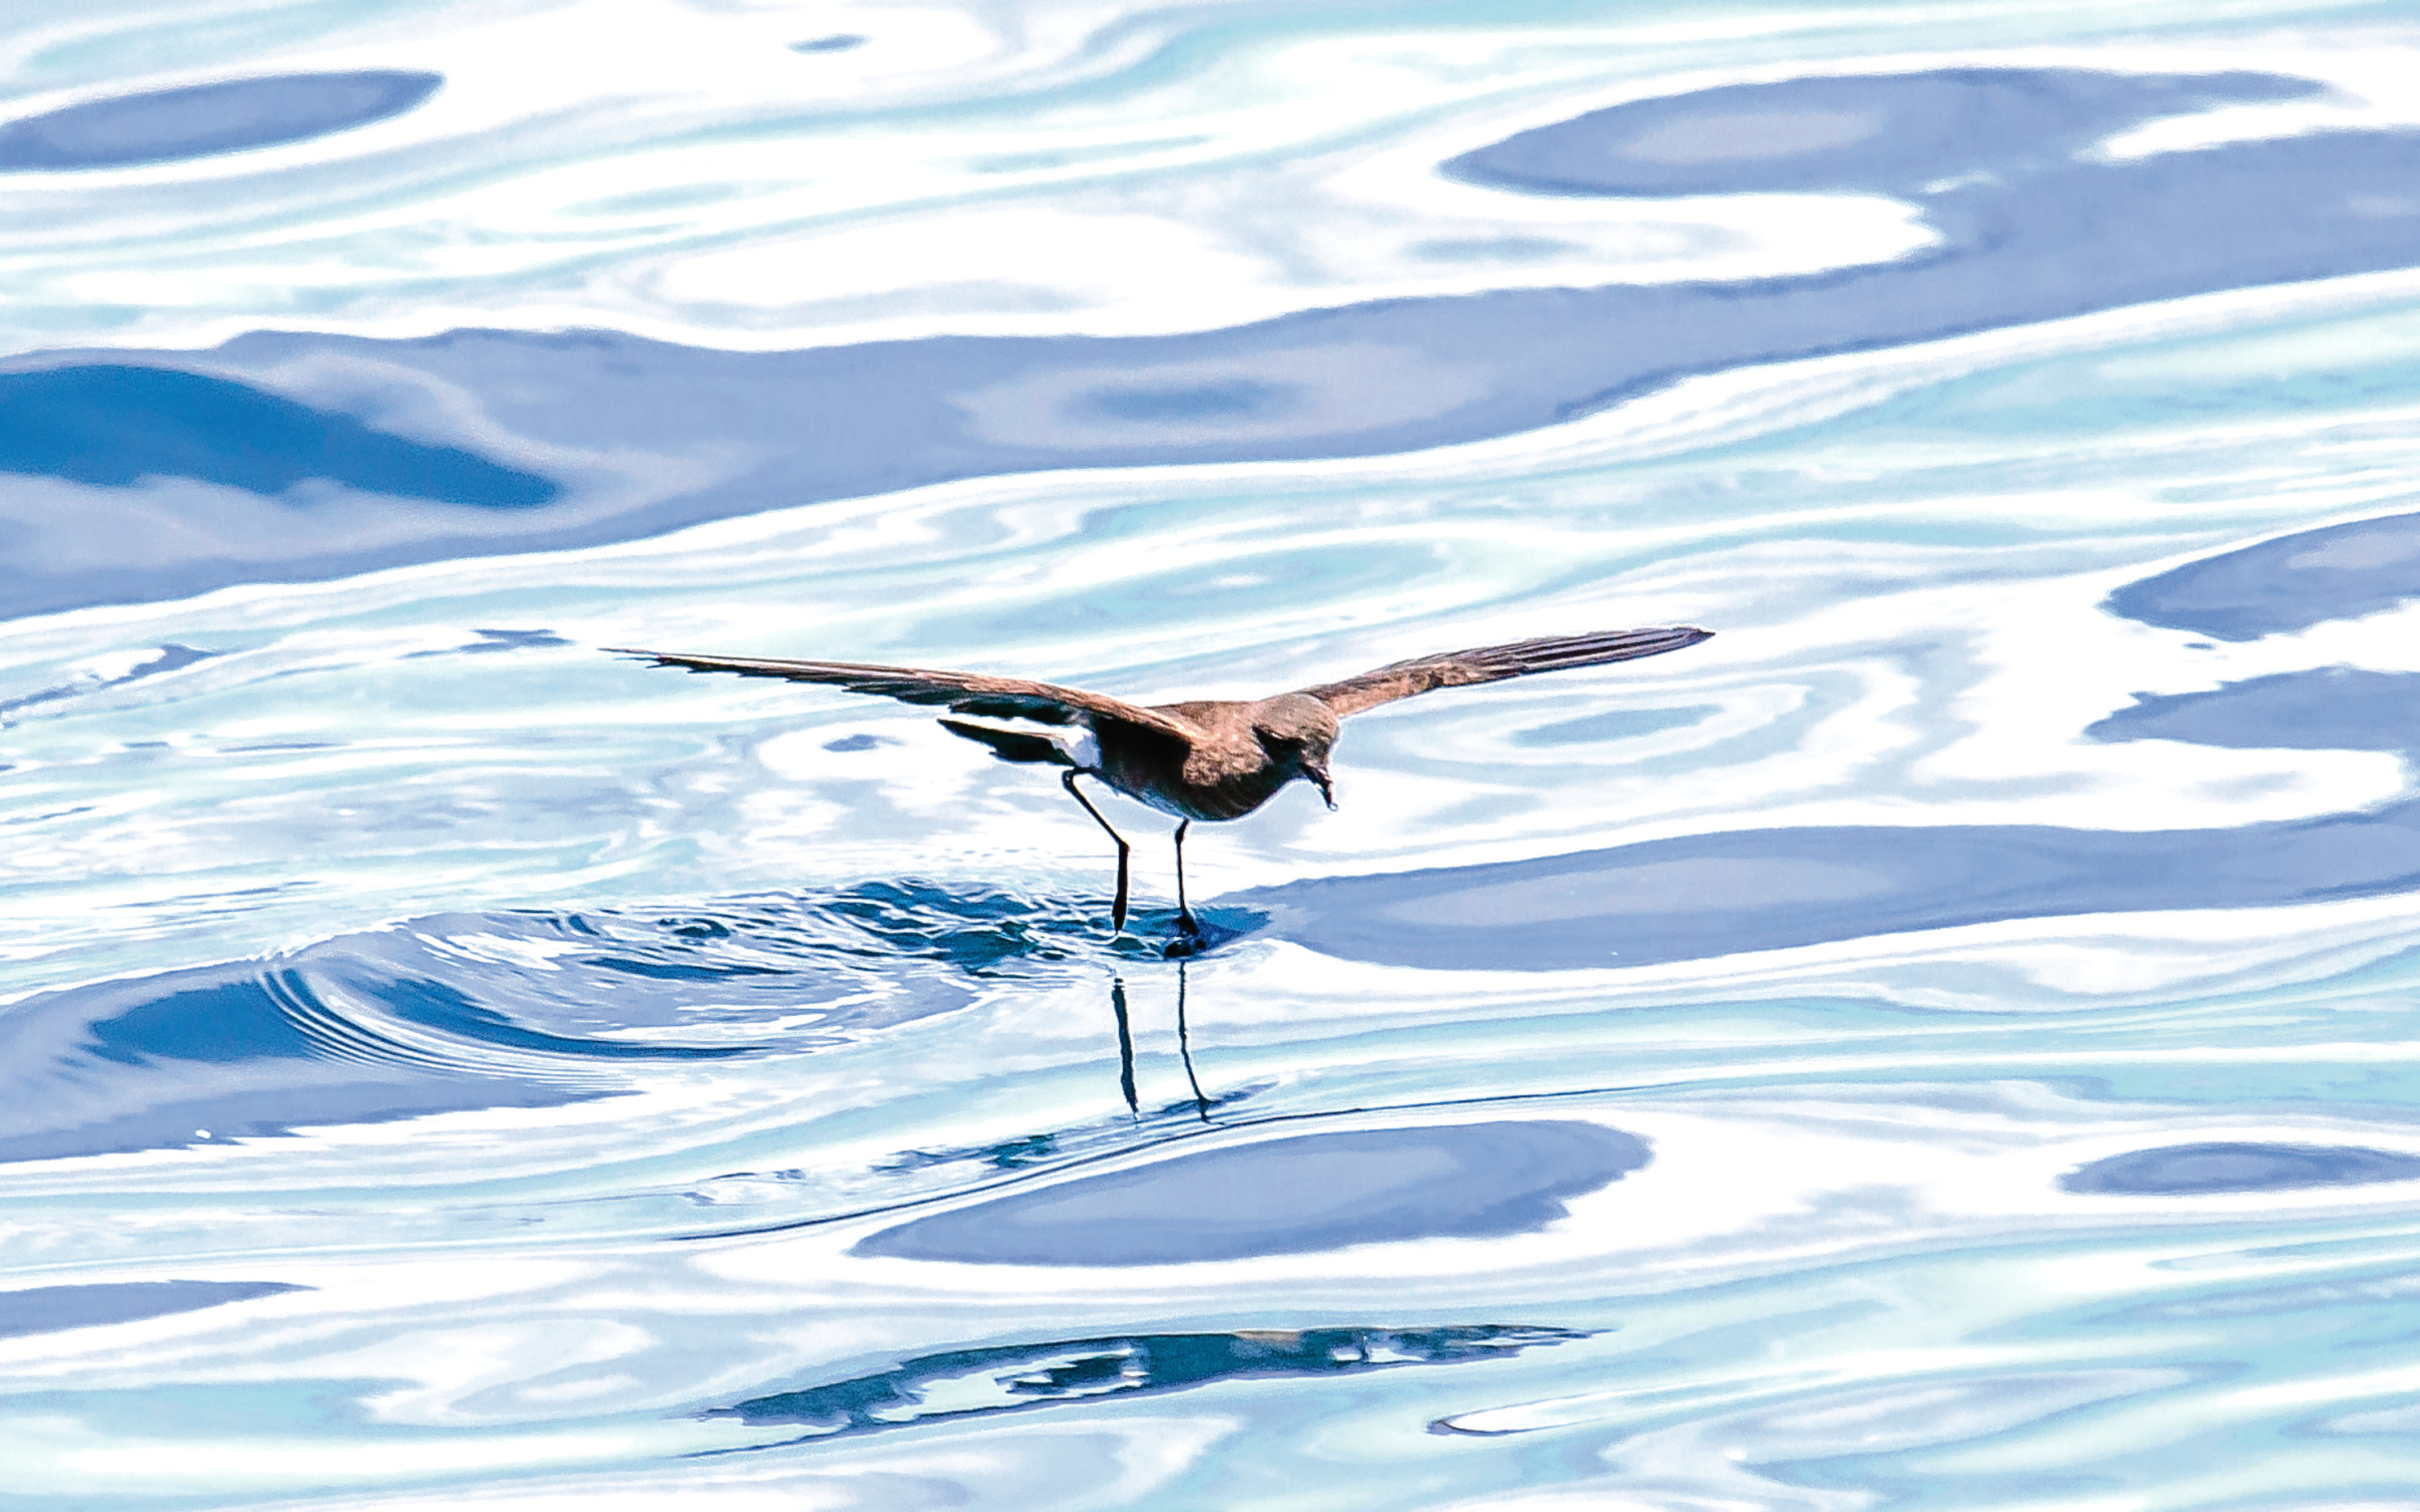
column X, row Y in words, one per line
column 1188, row 940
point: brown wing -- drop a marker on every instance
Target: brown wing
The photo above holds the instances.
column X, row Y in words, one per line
column 962, row 693
column 1492, row 664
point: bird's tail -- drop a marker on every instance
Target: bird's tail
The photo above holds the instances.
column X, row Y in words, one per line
column 1011, row 745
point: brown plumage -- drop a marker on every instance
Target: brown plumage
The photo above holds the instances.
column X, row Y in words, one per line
column 1197, row 760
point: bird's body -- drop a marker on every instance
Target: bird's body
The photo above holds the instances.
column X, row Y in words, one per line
column 1223, row 771
column 1208, row 760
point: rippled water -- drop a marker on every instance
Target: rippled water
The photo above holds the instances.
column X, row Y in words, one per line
column 1938, row 1043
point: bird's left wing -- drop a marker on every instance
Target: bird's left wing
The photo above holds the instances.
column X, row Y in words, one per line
column 1492, row 664
column 975, row 693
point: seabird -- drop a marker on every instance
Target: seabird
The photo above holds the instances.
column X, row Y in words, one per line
column 1203, row 759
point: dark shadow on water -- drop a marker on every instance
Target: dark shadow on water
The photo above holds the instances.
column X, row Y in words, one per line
column 2279, row 586
column 270, row 1107
column 1298, row 1195
column 2328, row 708
column 168, row 125
column 54, row 1309
column 1199, row 402
column 1700, row 896
column 975, row 1382
column 2198, row 1170
column 1908, row 135
column 114, row 425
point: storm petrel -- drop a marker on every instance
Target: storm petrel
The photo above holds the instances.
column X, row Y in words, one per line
column 1198, row 760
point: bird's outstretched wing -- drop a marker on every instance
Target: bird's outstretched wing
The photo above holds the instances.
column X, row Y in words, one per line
column 1011, row 698
column 1492, row 664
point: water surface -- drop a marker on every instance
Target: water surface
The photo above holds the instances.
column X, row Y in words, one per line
column 1941, row 1042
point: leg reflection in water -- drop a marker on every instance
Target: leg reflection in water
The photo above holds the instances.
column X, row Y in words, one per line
column 1126, row 1047
column 1125, row 1044
column 1185, row 1048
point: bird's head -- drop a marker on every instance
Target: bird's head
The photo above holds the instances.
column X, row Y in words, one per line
column 1297, row 731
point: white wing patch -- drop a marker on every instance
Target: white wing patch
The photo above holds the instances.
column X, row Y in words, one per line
column 1076, row 742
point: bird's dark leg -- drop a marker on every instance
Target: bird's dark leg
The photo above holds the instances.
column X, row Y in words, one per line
column 1184, row 1047
column 1117, row 909
column 1126, row 1045
column 1185, row 925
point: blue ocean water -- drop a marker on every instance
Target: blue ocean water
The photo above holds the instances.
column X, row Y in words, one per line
column 1937, row 1043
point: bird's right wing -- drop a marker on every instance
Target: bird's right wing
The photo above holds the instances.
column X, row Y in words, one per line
column 962, row 693
column 1492, row 664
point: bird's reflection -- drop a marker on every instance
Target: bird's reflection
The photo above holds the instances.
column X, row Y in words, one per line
column 1185, row 1048
column 1126, row 1046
